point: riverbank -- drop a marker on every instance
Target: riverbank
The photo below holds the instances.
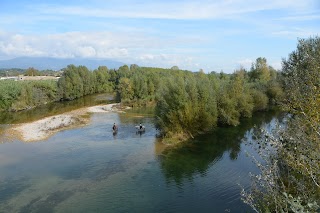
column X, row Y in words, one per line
column 46, row 127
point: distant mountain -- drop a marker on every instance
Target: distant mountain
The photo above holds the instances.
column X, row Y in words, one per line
column 43, row 63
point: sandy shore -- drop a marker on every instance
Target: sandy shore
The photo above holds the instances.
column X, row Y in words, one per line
column 46, row 127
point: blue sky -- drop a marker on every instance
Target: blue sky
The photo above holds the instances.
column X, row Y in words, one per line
column 213, row 35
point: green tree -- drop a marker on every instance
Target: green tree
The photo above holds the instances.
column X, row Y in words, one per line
column 102, row 80
column 126, row 89
column 32, row 72
column 140, row 86
column 260, row 70
column 151, row 89
column 134, row 67
column 175, row 68
column 227, row 107
column 186, row 105
column 124, row 71
column 9, row 92
column 86, row 79
column 275, row 92
column 302, row 86
column 206, row 112
column 290, row 177
column 260, row 100
column 241, row 92
column 70, row 84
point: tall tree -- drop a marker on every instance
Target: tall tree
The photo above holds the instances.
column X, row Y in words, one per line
column 175, row 68
column 70, row 84
column 260, row 70
column 126, row 89
column 32, row 72
column 290, row 177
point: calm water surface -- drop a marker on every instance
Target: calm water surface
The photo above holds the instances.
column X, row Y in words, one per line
column 89, row 169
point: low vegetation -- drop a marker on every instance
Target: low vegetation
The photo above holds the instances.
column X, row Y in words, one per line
column 19, row 95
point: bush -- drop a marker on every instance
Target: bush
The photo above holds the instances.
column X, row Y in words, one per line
column 260, row 100
column 19, row 95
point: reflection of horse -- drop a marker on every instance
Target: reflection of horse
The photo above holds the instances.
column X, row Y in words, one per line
column 114, row 130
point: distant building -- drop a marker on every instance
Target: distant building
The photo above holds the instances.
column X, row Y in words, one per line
column 14, row 78
column 36, row 78
column 29, row 78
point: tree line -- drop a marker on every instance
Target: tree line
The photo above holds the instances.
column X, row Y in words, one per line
column 186, row 103
column 215, row 98
column 31, row 71
column 75, row 82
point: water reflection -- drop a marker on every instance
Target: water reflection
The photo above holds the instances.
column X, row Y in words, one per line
column 140, row 133
column 197, row 156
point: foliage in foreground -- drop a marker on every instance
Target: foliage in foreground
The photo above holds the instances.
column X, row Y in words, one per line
column 290, row 175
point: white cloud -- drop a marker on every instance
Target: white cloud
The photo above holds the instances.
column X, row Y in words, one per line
column 203, row 9
column 294, row 33
column 276, row 64
column 132, row 48
column 17, row 44
column 303, row 17
column 146, row 57
column 72, row 44
column 246, row 63
column 87, row 51
column 166, row 60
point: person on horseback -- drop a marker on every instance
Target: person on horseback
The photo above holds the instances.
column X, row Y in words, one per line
column 115, row 128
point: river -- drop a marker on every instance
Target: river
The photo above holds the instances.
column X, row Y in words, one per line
column 88, row 169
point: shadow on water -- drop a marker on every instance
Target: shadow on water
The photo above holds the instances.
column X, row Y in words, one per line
column 198, row 155
column 54, row 109
column 47, row 204
column 9, row 188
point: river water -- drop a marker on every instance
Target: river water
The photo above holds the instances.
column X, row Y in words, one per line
column 89, row 169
